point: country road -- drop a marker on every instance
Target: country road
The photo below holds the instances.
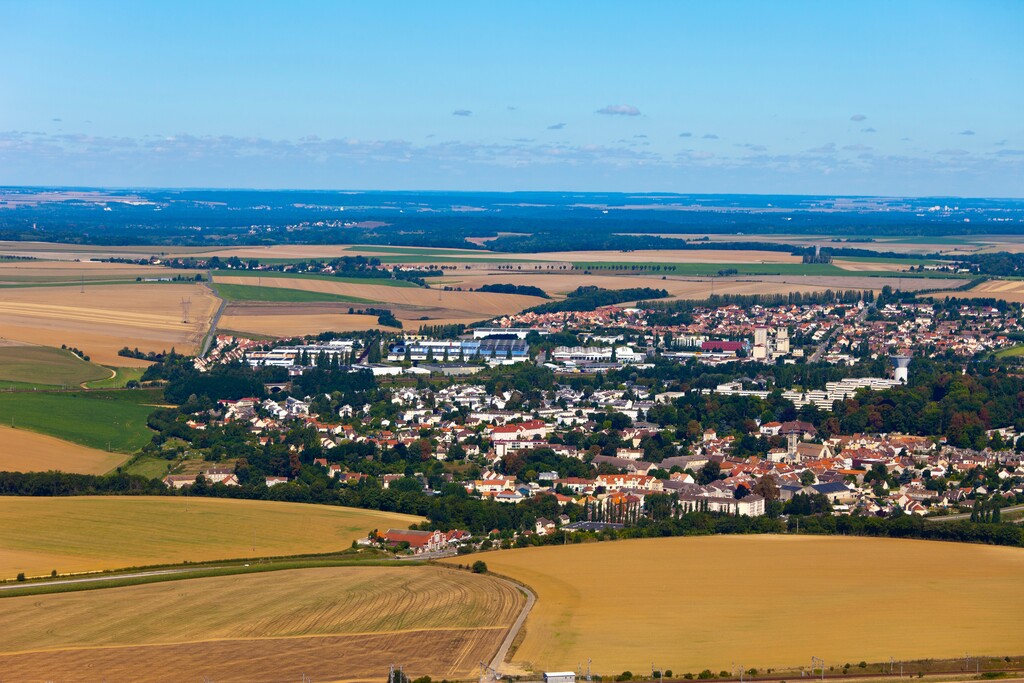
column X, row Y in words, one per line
column 506, row 644
column 967, row 515
column 96, row 579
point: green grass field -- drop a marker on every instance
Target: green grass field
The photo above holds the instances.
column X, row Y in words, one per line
column 121, row 377
column 257, row 293
column 149, row 466
column 28, row 367
column 386, row 282
column 1011, row 352
column 88, row 533
column 98, row 419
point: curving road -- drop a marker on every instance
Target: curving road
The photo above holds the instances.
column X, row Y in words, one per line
column 506, row 644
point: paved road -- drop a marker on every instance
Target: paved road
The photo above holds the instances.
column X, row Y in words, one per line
column 967, row 515
column 208, row 338
column 531, row 598
column 96, row 579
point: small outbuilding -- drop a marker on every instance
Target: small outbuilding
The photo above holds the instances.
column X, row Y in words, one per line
column 559, row 677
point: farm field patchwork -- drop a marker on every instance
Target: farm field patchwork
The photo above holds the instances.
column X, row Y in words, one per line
column 104, row 318
column 78, row 534
column 239, row 292
column 25, row 451
column 414, row 305
column 333, row 623
column 840, row 598
column 387, row 282
column 105, row 420
column 77, row 272
column 1007, row 290
column 280, row 321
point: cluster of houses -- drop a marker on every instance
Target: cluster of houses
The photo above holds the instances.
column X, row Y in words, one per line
column 844, row 469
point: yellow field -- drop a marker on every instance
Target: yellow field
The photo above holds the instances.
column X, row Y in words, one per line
column 766, row 601
column 80, row 534
column 679, row 287
column 1007, row 290
column 292, row 320
column 104, row 318
column 39, row 272
column 434, row 621
column 25, row 451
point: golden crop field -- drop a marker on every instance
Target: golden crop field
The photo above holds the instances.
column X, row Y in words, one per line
column 678, row 287
column 74, row 272
column 412, row 305
column 25, row 451
column 1007, row 290
column 78, row 534
column 104, row 318
column 336, row 623
column 294, row 319
column 767, row 601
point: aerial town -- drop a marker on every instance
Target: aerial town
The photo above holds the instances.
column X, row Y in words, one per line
column 604, row 453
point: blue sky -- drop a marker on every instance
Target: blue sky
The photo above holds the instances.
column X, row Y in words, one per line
column 889, row 98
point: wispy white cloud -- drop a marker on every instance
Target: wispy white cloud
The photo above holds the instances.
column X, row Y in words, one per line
column 619, row 110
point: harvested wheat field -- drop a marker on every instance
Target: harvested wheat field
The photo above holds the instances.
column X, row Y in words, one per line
column 1007, row 290
column 25, row 451
column 859, row 282
column 289, row 320
column 485, row 304
column 558, row 284
column 767, row 601
column 105, row 318
column 337, row 623
column 411, row 305
column 80, row 534
column 41, row 272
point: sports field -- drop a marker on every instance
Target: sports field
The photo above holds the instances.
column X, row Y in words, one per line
column 26, row 366
column 77, row 534
column 25, row 451
column 105, row 420
column 767, row 601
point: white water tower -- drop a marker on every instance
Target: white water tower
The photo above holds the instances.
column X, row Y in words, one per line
column 900, row 368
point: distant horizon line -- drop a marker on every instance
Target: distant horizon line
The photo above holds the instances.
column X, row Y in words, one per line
column 647, row 193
